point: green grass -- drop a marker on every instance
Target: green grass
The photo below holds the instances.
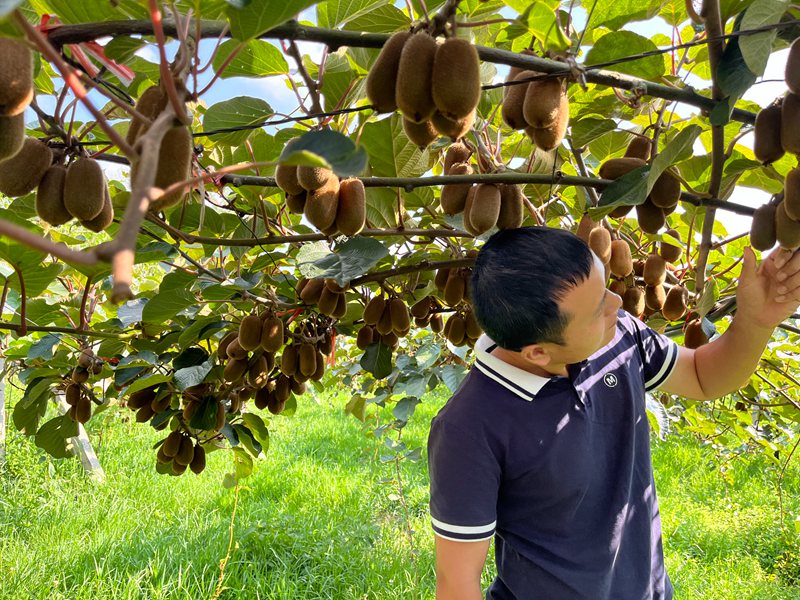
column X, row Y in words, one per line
column 317, row 521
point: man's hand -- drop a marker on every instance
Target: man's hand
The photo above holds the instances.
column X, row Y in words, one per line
column 770, row 292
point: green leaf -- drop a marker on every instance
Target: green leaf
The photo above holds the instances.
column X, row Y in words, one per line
column 391, row 154
column 327, row 148
column 247, row 440
column 256, row 59
column 590, row 128
column 757, row 47
column 357, row 406
column 242, row 467
column 258, row 429
column 734, row 77
column 146, row 382
column 377, row 360
column 52, row 436
column 383, row 19
column 241, row 111
column 708, row 298
column 616, row 13
column 453, row 375
column 679, row 148
column 206, row 416
column 88, row 11
column 403, row 410
column 166, row 304
column 43, row 348
column 334, row 13
column 262, row 15
column 630, row 189
column 33, row 406
column 541, row 21
column 189, row 376
column 352, row 259
column 618, row 44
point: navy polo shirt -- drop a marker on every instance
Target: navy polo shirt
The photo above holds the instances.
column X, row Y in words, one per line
column 558, row 470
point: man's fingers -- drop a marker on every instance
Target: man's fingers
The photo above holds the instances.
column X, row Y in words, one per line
column 789, row 266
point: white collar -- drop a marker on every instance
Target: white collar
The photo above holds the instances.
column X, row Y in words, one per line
column 524, row 384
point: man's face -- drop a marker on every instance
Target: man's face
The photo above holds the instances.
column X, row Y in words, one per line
column 591, row 312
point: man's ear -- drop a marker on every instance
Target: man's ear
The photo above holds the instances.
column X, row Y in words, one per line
column 535, row 354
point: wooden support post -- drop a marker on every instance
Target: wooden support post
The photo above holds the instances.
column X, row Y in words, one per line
column 82, row 447
column 2, row 411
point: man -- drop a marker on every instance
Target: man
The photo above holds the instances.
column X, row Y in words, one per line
column 545, row 446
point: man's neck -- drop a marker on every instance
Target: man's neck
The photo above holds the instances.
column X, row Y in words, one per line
column 515, row 359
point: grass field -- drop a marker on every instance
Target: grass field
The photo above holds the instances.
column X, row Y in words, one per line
column 319, row 519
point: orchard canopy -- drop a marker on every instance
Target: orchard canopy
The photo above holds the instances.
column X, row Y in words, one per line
column 212, row 210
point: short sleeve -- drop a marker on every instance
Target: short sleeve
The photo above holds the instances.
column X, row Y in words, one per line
column 464, row 480
column 659, row 354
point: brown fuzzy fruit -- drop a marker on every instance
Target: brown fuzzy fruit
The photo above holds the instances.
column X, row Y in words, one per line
column 620, row 211
column 307, row 359
column 655, row 270
column 600, row 243
column 22, row 172
column 675, row 303
column 296, row 203
column 50, row 197
column 767, row 142
column 398, row 311
column 437, row 323
column 762, row 228
column 198, row 463
column 456, row 330
column 84, row 189
column 693, row 335
column 633, row 301
column 286, row 178
column 666, row 191
column 485, row 207
column 322, row 204
column 272, row 334
column 511, row 207
column 289, row 360
column 172, row 444
column 468, row 209
column 105, row 218
column 258, row 373
column 421, row 308
column 384, row 324
column 638, row 148
column 312, row 291
column 471, row 326
column 456, row 153
column 621, row 261
column 12, row 135
column 543, row 102
column 440, row 279
column 787, row 230
column 455, row 289
column 174, row 165
column 141, row 398
column 421, row 134
column 792, row 74
column 222, row 348
column 548, row 138
column 454, row 195
column 374, row 309
column 235, row 368
column 351, row 210
column 453, row 129
column 514, row 100
column 185, row 452
column 235, row 350
column 654, row 296
column 382, row 78
column 413, row 93
column 671, row 252
column 651, row 218
column 327, row 301
column 16, row 77
column 80, row 374
column 790, row 116
column 144, row 414
column 585, row 227
column 83, row 409
column 250, row 332
column 365, row 337
column 791, row 194
column 150, row 104
column 456, row 78
column 618, row 287
column 313, row 178
column 615, row 168
column 72, row 394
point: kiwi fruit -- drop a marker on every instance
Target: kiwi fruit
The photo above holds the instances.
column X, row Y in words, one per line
column 655, row 269
column 441, row 277
column 312, row 291
column 790, row 116
column 421, row 308
column 106, row 216
column 272, row 334
column 144, row 414
column 413, row 93
column 666, row 190
column 787, row 230
column 222, row 348
column 382, row 77
column 762, row 228
column 177, row 469
column 792, row 75
column 174, row 165
column 514, row 100
column 185, row 452
column 456, row 78
column 16, row 77
column 671, row 252
column 600, row 243
column 398, row 311
column 161, row 403
column 639, row 147
column 453, row 129
column 511, row 207
column 296, row 203
column 86, row 358
column 468, row 209
column 620, row 211
column 258, row 372
column 198, row 463
column 675, row 303
column 235, row 368
column 651, row 218
column 485, row 207
column 585, row 227
column 543, row 102
column 693, row 335
column 456, row 153
column 12, row 135
column 307, row 359
column 548, row 138
column 141, row 398
column 235, row 350
column 21, row 173
column 351, row 209
column 374, row 309
column 327, row 301
column 150, row 104
column 384, row 324
column 322, row 204
column 633, row 301
column 767, row 141
column 614, row 168
column 250, row 332
column 172, row 444
column 340, row 310
column 289, row 360
column 617, row 286
column 313, row 178
column 456, row 330
column 454, row 195
column 365, row 337
column 72, row 394
column 50, row 197
column 80, row 374
column 83, row 409
column 437, row 323
column 455, row 289
column 420, row 134
column 621, row 261
column 791, row 194
column 84, row 189
column 471, row 326
column 654, row 296
column 286, row 179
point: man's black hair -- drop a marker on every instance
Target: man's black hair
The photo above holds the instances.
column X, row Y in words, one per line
column 517, row 280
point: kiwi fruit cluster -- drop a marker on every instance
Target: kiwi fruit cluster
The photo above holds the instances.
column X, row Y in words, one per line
column 389, row 319
column 16, row 93
column 330, row 204
column 326, row 294
column 175, row 153
column 462, row 328
column 540, row 107
column 489, row 205
column 779, row 220
column 427, row 313
column 435, row 85
column 178, row 452
column 453, row 284
column 75, row 392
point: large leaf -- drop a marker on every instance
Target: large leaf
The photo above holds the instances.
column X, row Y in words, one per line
column 190, row 376
column 256, row 59
column 377, row 360
column 616, row 13
column 334, row 13
column 241, row 111
column 383, row 19
column 52, row 436
column 352, row 259
column 541, row 21
column 326, row 148
column 87, row 11
column 262, row 15
column 164, row 306
column 756, row 48
column 590, row 128
column 391, row 154
column 618, row 44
